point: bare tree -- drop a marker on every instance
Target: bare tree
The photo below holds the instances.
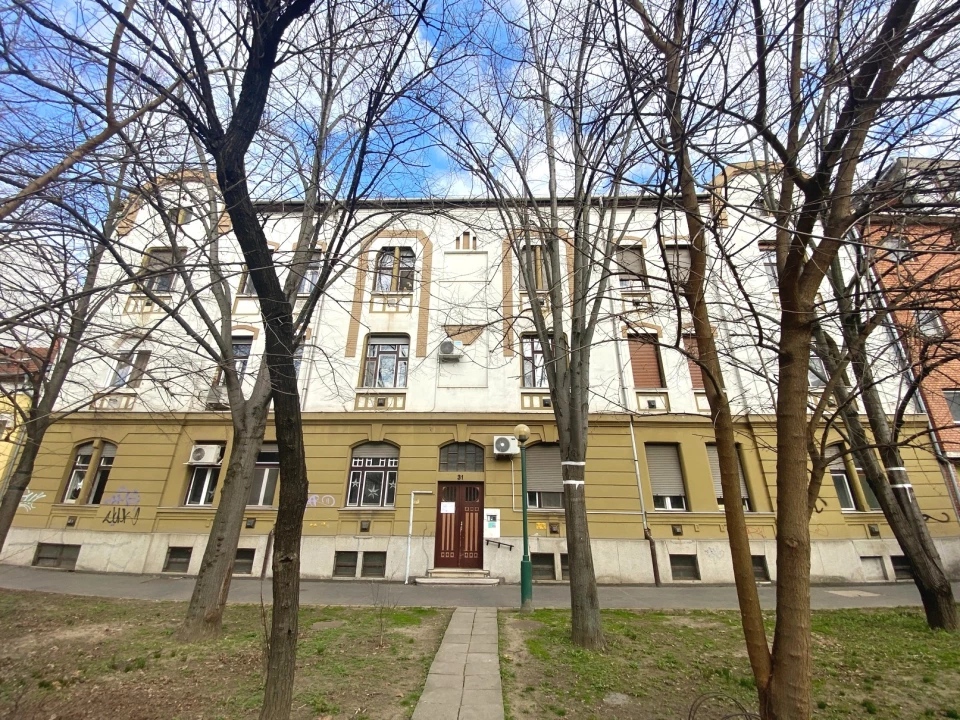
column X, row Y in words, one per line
column 817, row 126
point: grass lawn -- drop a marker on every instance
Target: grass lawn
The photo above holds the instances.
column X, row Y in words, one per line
column 867, row 664
column 73, row 658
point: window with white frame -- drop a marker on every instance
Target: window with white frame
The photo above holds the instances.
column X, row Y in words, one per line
column 534, row 367
column 678, row 263
column 311, row 277
column 533, row 260
column 666, row 476
column 385, row 362
column 266, row 475
column 130, row 369
column 770, row 270
column 373, row 475
column 544, row 477
column 816, row 371
column 953, row 403
column 81, row 472
column 240, row 345
column 395, row 268
column 841, row 479
column 929, row 324
column 632, row 268
column 202, row 485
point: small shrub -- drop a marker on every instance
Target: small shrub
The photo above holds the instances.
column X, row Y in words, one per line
column 869, row 706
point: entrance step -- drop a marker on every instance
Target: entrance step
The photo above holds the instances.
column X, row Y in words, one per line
column 458, row 572
column 457, row 576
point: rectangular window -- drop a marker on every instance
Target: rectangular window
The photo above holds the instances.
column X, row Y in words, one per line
column 241, row 347
column 395, row 267
column 542, row 566
column 666, row 477
column 243, row 562
column 897, row 247
column 684, row 567
column 632, row 269
column 678, row 263
column 178, row 560
column 901, row 567
column 158, row 271
column 310, row 279
column 868, row 493
column 385, row 365
column 78, row 473
column 841, row 481
column 760, row 571
column 246, row 284
column 265, row 477
column 693, row 352
column 953, row 402
column 816, row 372
column 714, row 459
column 373, row 482
column 645, row 362
column 203, row 485
column 535, row 256
column 130, row 369
column 374, row 565
column 345, row 563
column 107, row 454
column 545, row 500
column 770, row 270
column 930, row 324
column 52, row 555
column 534, row 368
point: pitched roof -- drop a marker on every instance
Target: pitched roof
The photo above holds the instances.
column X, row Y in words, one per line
column 22, row 361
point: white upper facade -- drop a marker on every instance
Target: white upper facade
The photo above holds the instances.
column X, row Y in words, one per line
column 418, row 274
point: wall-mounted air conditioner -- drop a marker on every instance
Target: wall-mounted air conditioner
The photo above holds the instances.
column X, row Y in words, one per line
column 505, row 446
column 205, row 455
column 451, row 350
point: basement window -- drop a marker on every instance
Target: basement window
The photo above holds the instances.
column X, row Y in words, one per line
column 178, row 559
column 542, row 566
column 51, row 555
column 243, row 563
column 564, row 566
column 374, row 565
column 901, row 567
column 760, row 571
column 684, row 567
column 345, row 563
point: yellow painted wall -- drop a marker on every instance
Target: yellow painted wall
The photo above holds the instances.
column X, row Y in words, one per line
column 152, row 455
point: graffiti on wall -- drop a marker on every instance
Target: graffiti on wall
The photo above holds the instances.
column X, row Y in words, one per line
column 321, row 500
column 122, row 515
column 29, row 500
column 123, row 496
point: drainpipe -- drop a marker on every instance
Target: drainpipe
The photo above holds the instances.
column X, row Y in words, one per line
column 406, row 576
column 648, row 536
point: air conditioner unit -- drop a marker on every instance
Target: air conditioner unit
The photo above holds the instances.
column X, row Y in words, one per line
column 205, row 455
column 451, row 350
column 505, row 446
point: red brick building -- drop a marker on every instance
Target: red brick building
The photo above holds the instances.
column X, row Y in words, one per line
column 917, row 265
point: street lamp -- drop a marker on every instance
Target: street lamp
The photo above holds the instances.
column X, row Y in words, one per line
column 526, row 571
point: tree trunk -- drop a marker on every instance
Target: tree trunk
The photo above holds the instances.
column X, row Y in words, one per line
column 19, row 481
column 205, row 613
column 898, row 503
column 787, row 695
column 586, row 630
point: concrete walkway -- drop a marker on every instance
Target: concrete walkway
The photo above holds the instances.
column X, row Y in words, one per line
column 464, row 680
column 354, row 592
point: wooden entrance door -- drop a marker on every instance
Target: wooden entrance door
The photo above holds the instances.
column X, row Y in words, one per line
column 459, row 525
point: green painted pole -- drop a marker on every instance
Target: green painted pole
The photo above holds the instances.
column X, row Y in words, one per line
column 526, row 569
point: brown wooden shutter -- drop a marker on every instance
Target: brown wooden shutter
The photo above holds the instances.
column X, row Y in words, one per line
column 645, row 362
column 696, row 373
column 714, row 458
column 543, row 468
column 663, row 464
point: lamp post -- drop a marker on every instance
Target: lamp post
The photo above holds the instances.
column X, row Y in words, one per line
column 526, row 571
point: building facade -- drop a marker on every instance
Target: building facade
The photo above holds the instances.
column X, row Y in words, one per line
column 419, row 362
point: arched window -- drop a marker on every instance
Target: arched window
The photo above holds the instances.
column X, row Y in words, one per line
column 461, row 457
column 394, row 270
column 373, row 475
column 91, row 469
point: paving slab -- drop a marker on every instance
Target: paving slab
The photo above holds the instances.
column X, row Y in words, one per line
column 464, row 679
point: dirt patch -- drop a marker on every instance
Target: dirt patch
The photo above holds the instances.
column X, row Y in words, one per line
column 691, row 621
column 326, row 624
column 526, row 625
column 69, row 658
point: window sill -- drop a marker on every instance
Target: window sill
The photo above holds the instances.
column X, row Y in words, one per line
column 378, row 390
column 367, row 509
